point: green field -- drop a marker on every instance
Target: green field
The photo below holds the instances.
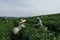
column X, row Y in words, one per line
column 30, row 32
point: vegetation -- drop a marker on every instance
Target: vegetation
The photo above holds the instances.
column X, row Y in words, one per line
column 52, row 22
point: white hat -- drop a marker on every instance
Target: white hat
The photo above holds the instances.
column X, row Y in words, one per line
column 23, row 20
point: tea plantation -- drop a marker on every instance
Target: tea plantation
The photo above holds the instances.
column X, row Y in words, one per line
column 52, row 22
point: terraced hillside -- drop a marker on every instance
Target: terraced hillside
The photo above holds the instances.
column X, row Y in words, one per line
column 52, row 22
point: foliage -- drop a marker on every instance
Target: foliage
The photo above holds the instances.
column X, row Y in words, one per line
column 30, row 32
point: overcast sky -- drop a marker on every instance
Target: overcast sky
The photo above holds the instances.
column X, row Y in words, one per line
column 22, row 8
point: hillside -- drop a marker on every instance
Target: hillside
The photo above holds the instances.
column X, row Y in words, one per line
column 52, row 22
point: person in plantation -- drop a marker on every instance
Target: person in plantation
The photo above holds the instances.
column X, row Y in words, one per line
column 39, row 22
column 20, row 26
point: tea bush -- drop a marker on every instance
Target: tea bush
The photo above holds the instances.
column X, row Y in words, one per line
column 30, row 32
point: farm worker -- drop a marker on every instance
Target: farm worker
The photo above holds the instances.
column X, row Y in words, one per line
column 39, row 22
column 20, row 26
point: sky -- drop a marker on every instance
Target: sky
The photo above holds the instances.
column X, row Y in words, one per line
column 25, row 8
